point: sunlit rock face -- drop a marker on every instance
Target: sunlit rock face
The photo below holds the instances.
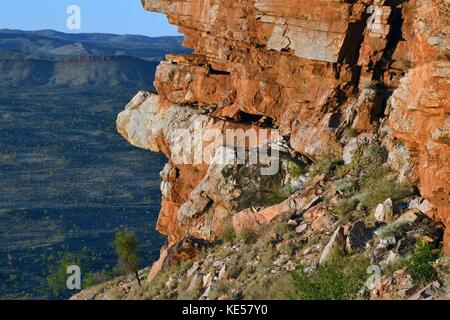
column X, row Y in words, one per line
column 310, row 69
column 420, row 107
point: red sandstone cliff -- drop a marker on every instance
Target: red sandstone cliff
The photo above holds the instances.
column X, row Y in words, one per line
column 309, row 69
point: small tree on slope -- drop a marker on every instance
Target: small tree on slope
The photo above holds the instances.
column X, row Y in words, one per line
column 125, row 244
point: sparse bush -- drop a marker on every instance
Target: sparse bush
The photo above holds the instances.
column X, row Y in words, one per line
column 194, row 291
column 267, row 256
column 220, row 288
column 93, row 278
column 392, row 229
column 339, row 279
column 382, row 188
column 125, row 244
column 442, row 266
column 115, row 294
column 344, row 207
column 57, row 279
column 247, row 259
column 269, row 287
column 156, row 288
column 400, row 142
column 248, row 236
column 367, row 157
column 234, row 271
column 393, row 266
column 346, row 186
column 372, row 179
column 419, row 265
column 281, row 228
column 228, row 234
column 243, row 267
column 184, row 284
column 350, row 132
column 223, row 252
column 276, row 195
column 325, row 166
column 407, row 64
column 369, row 85
column 295, row 169
column 287, row 248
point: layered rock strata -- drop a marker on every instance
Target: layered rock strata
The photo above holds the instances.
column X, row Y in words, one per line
column 307, row 71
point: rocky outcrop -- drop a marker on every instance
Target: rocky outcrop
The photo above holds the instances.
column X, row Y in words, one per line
column 420, row 106
column 309, row 78
column 206, row 181
column 296, row 234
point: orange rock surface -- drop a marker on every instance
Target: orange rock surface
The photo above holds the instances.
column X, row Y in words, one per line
column 312, row 68
column 420, row 107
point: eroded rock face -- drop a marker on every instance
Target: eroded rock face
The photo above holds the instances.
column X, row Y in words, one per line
column 310, row 69
column 271, row 58
column 420, row 107
column 205, row 182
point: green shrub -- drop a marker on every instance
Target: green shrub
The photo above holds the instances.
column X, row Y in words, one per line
column 382, row 188
column 267, row 255
column 276, row 195
column 235, row 270
column 369, row 84
column 223, row 252
column 184, row 284
column 407, row 64
column 367, row 158
column 228, row 234
column 156, row 288
column 248, row 236
column 220, row 288
column 400, row 142
column 393, row 266
column 392, row 229
column 194, row 290
column 373, row 180
column 419, row 265
column 295, row 169
column 346, row 185
column 350, row 132
column 94, row 278
column 339, row 279
column 442, row 266
column 281, row 228
column 270, row 287
column 325, row 166
column 126, row 243
column 57, row 279
column 344, row 207
column 115, row 294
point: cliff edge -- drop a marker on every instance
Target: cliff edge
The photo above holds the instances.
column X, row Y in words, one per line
column 356, row 83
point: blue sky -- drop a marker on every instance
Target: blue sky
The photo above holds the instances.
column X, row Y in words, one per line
column 108, row 16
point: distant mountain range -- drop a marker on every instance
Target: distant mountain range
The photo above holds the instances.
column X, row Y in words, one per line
column 49, row 57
